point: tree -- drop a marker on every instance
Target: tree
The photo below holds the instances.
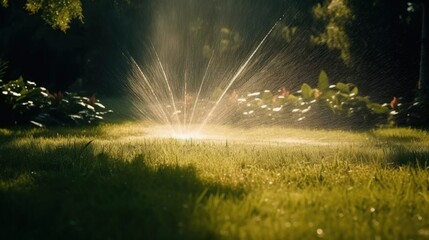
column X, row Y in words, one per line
column 424, row 53
column 57, row 13
column 377, row 39
column 336, row 14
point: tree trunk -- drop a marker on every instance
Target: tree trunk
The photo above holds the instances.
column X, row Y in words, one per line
column 424, row 61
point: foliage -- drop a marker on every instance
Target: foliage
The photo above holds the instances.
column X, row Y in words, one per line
column 23, row 102
column 229, row 41
column 57, row 13
column 288, row 32
column 412, row 113
column 336, row 14
column 88, row 48
column 326, row 105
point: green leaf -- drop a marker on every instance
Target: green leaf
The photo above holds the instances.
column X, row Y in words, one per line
column 328, row 94
column 292, row 99
column 267, row 96
column 307, row 91
column 355, row 91
column 343, row 96
column 363, row 99
column 323, row 83
column 20, row 81
column 343, row 87
column 378, row 108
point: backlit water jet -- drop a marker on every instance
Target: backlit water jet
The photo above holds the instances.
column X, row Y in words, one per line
column 195, row 64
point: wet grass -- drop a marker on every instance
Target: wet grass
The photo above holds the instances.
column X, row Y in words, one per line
column 109, row 182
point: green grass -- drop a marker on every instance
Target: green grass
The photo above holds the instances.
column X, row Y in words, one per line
column 110, row 182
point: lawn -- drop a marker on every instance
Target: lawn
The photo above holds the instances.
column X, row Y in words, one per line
column 131, row 181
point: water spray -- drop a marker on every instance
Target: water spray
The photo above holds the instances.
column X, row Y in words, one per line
column 238, row 73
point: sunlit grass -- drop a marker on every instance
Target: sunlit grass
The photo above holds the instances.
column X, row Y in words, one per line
column 121, row 181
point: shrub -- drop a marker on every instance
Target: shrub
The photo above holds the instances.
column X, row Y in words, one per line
column 23, row 102
column 411, row 113
column 326, row 105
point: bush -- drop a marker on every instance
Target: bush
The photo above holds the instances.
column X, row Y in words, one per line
column 23, row 102
column 337, row 105
column 411, row 113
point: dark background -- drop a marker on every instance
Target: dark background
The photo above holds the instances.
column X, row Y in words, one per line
column 384, row 37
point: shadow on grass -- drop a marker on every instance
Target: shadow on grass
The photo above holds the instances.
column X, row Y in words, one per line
column 406, row 146
column 416, row 158
column 56, row 195
column 399, row 135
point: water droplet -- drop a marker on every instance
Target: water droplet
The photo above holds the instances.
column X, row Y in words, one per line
column 253, row 94
column 306, row 110
column 319, row 232
column 277, row 109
